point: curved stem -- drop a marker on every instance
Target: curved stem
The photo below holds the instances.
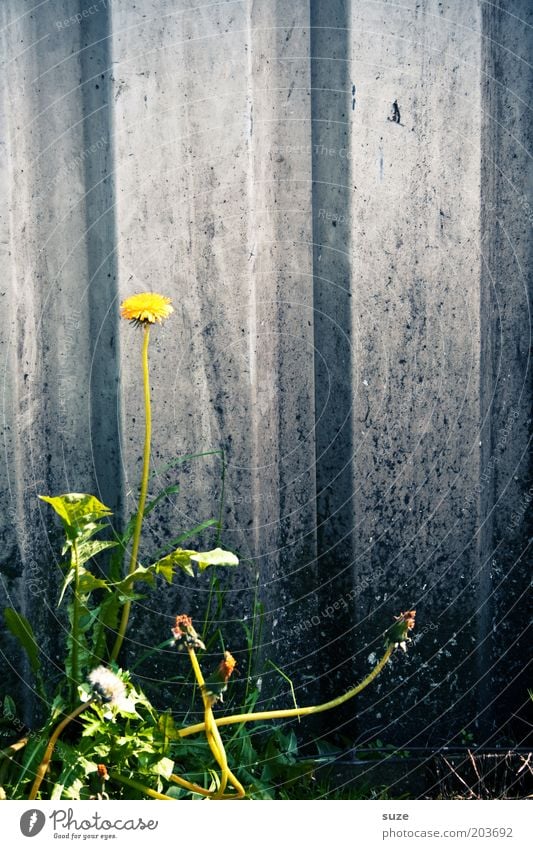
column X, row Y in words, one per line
column 217, row 747
column 144, row 489
column 130, row 782
column 45, row 762
column 209, row 794
column 291, row 712
column 214, row 739
column 191, row 786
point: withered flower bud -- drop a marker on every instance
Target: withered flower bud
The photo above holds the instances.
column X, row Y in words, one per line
column 184, row 633
column 217, row 684
column 398, row 633
column 102, row 772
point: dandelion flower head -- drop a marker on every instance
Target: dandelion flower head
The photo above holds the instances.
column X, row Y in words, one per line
column 146, row 308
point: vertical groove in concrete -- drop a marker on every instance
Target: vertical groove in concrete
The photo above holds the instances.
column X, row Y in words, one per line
column 416, row 261
column 333, row 112
column 489, row 192
column 10, row 567
column 281, row 331
column 99, row 177
column 53, row 161
column 506, row 483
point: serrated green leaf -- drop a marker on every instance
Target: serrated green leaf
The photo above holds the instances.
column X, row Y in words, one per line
column 87, row 582
column 88, row 549
column 166, row 570
column 141, row 573
column 69, row 577
column 125, row 597
column 74, row 772
column 181, row 559
column 77, row 508
column 216, row 557
column 21, row 629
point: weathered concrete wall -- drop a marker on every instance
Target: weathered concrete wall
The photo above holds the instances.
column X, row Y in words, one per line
column 337, row 196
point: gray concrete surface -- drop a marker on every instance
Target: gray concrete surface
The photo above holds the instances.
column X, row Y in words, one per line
column 337, row 196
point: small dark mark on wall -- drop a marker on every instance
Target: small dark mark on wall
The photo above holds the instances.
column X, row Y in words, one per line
column 442, row 215
column 353, row 98
column 395, row 116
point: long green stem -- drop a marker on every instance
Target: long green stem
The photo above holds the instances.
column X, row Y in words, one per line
column 144, row 489
column 218, row 540
column 291, row 712
column 45, row 762
column 222, row 493
column 252, row 640
column 75, row 621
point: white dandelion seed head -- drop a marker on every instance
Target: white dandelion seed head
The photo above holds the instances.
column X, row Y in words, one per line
column 107, row 686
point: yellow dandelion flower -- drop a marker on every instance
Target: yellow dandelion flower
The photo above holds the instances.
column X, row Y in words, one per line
column 146, row 308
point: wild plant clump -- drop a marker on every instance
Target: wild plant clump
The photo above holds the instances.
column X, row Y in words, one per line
column 103, row 738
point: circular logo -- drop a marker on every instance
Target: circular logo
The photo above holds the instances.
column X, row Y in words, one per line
column 32, row 822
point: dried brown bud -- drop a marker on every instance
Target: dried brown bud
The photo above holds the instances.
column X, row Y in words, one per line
column 398, row 633
column 226, row 666
column 185, row 634
column 217, row 683
column 102, row 772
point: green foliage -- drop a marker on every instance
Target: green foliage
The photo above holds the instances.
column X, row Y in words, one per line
column 77, row 510
column 21, row 629
column 142, row 745
column 108, row 739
